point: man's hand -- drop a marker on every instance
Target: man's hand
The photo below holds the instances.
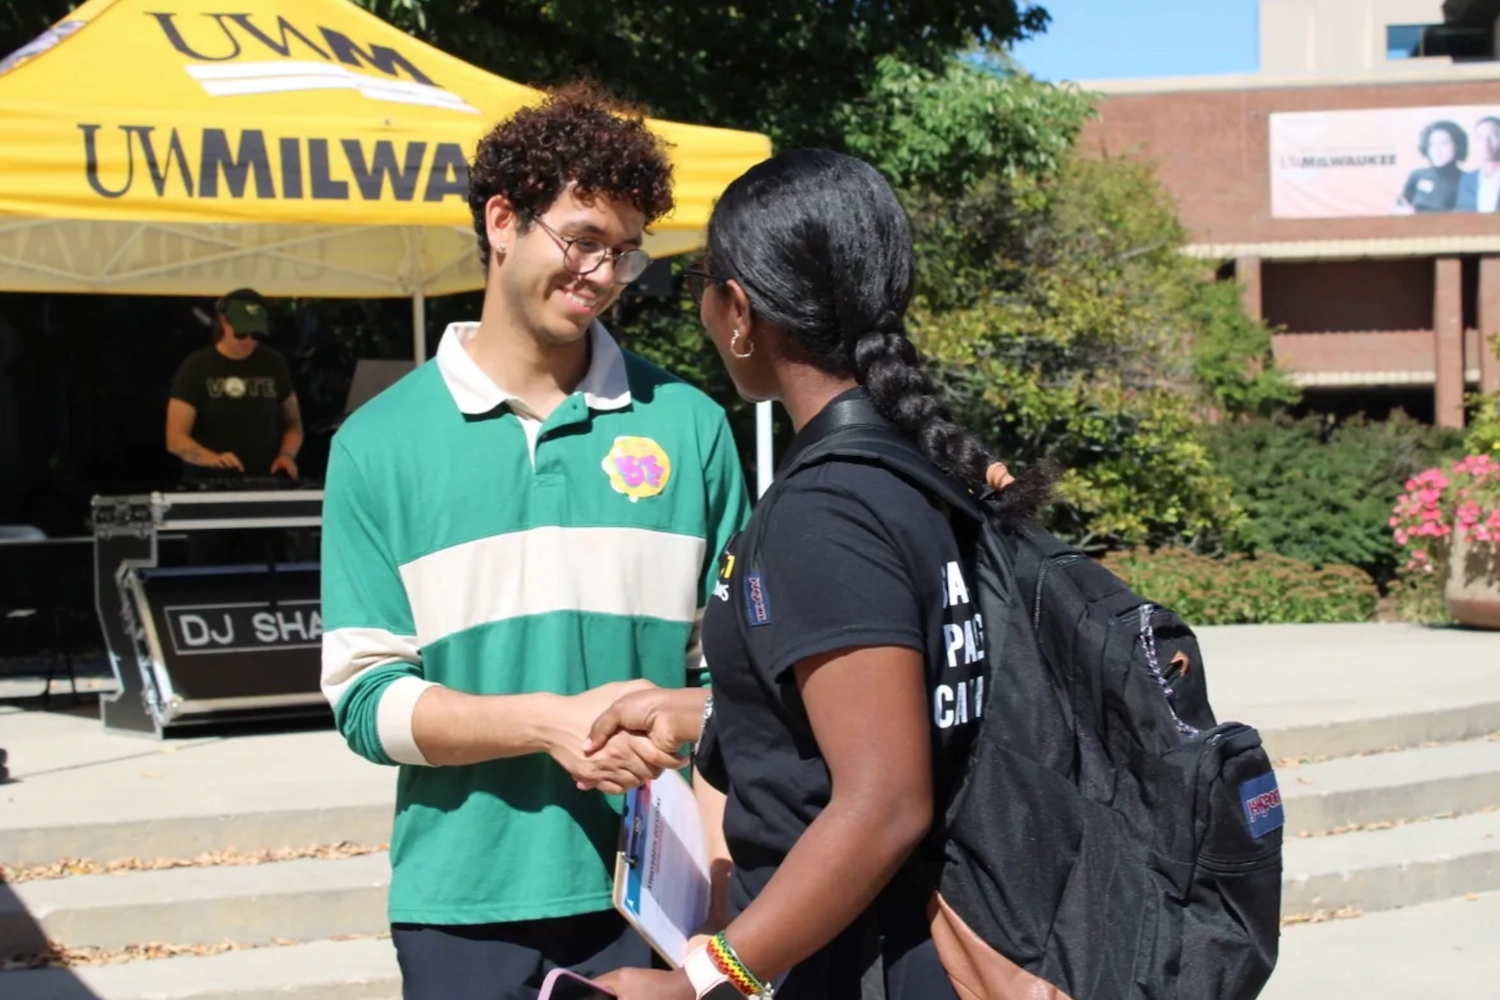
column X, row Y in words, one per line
column 669, row 718
column 997, row 476
column 285, row 463
column 625, row 762
column 224, row 460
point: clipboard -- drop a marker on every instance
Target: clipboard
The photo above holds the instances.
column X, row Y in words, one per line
column 661, row 870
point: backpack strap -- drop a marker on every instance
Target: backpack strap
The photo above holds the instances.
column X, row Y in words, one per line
column 853, row 430
column 847, row 430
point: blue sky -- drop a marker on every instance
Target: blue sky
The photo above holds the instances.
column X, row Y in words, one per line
column 1116, row 39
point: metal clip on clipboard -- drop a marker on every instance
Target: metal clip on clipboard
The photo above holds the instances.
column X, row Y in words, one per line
column 633, row 830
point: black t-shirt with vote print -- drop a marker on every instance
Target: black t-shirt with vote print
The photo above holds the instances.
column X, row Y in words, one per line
column 853, row 556
column 238, row 406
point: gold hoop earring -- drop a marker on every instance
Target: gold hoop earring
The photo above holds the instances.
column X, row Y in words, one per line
column 734, row 348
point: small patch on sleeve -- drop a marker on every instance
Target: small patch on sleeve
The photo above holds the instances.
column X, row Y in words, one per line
column 1262, row 801
column 757, row 601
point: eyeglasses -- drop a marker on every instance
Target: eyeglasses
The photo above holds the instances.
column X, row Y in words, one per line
column 699, row 277
column 585, row 256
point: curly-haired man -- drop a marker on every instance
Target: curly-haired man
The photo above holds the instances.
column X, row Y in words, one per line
column 513, row 535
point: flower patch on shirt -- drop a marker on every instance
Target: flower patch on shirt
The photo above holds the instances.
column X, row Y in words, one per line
column 638, row 467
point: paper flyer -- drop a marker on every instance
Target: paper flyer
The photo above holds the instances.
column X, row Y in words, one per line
column 661, row 873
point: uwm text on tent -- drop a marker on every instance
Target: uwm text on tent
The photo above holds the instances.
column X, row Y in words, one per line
column 232, row 55
column 219, row 163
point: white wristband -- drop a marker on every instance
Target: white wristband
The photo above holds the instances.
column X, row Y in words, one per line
column 702, row 973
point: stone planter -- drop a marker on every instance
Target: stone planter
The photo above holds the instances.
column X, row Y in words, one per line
column 1473, row 590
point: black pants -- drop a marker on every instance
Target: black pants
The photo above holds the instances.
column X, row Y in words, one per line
column 509, row 961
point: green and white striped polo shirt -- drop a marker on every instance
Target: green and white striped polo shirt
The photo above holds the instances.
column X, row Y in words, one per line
column 469, row 544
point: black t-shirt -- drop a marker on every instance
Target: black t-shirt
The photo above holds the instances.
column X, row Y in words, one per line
column 853, row 556
column 238, row 404
column 1432, row 189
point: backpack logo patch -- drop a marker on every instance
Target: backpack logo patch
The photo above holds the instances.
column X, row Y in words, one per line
column 1262, row 800
column 757, row 601
column 637, row 467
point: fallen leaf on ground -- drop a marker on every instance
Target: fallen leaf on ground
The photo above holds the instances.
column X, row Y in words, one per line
column 68, row 867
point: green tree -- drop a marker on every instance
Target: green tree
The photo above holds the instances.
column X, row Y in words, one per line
column 1065, row 320
column 1484, row 416
column 783, row 67
column 23, row 20
column 947, row 132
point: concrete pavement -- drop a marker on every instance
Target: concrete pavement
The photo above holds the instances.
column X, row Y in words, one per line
column 1340, row 692
column 79, row 792
column 1446, row 949
column 1332, row 690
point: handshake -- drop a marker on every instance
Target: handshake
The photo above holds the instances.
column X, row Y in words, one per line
column 624, row 734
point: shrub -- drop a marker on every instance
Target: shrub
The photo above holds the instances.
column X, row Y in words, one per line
column 1323, row 492
column 1417, row 596
column 1062, row 314
column 1246, row 590
column 1483, row 437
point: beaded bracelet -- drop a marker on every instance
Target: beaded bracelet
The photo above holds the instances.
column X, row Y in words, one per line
column 727, row 962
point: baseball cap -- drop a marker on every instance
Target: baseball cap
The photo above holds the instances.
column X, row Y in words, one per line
column 246, row 311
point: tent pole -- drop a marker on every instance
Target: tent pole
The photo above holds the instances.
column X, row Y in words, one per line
column 765, row 448
column 419, row 327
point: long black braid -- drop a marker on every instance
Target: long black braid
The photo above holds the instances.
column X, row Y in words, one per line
column 887, row 364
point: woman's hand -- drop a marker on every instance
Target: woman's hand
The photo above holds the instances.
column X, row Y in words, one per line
column 647, row 984
column 669, row 718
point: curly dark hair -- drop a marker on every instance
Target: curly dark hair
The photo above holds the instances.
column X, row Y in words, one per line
column 1455, row 132
column 576, row 136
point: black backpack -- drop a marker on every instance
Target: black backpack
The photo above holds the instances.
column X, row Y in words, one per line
column 1109, row 840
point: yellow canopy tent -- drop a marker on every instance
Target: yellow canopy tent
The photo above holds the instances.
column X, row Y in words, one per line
column 302, row 147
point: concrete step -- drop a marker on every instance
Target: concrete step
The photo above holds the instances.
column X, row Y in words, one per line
column 78, row 792
column 1322, row 796
column 1400, row 866
column 1436, row 949
column 314, row 899
column 1336, row 690
column 1427, row 781
column 319, row 970
column 1444, row 949
column 304, row 900
column 1324, row 740
column 187, row 834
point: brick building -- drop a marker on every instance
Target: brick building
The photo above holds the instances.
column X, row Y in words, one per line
column 1321, row 185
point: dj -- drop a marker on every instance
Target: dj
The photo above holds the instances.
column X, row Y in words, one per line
column 232, row 410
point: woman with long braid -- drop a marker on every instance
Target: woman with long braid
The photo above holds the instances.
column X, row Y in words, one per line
column 833, row 748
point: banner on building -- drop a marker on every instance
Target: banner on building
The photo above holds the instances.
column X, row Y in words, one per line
column 1385, row 161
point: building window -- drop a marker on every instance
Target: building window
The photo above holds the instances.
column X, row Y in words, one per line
column 1403, row 41
column 1460, row 43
